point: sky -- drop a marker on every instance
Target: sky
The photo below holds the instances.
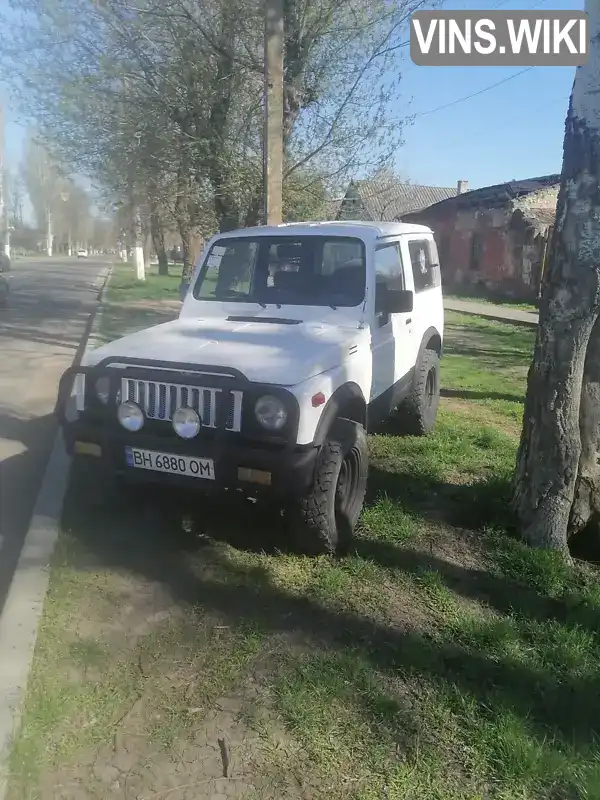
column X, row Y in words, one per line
column 511, row 131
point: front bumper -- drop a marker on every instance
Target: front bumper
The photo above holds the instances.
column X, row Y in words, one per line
column 284, row 471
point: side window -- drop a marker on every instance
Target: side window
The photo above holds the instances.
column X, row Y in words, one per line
column 425, row 266
column 388, row 273
column 388, row 265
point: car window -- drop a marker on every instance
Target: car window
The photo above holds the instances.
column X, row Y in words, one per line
column 303, row 270
column 423, row 259
column 388, row 275
column 228, row 271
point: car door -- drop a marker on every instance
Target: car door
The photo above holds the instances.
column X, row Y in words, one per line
column 421, row 257
column 392, row 343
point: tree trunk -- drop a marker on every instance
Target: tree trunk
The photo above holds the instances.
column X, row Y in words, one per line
column 186, row 235
column 557, row 473
column 586, row 502
column 255, row 210
column 226, row 213
column 158, row 239
column 138, row 245
column 49, row 234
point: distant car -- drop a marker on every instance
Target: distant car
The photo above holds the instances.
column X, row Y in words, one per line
column 5, row 265
column 82, row 254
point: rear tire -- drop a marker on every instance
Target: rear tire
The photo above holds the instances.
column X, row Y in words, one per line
column 323, row 521
column 418, row 413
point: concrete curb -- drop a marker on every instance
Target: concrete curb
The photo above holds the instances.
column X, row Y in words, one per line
column 25, row 600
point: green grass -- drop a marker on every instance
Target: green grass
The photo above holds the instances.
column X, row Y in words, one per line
column 125, row 288
column 440, row 658
column 132, row 305
column 507, row 303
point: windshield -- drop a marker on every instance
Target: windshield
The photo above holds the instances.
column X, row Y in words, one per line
column 283, row 270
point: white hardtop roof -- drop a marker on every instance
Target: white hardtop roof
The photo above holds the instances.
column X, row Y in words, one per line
column 376, row 230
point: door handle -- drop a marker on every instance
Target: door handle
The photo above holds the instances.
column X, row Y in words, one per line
column 408, row 321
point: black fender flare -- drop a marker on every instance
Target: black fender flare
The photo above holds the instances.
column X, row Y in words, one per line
column 429, row 334
column 347, row 393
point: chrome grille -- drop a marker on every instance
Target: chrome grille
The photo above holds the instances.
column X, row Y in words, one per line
column 160, row 400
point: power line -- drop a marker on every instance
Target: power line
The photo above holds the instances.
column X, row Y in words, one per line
column 474, row 94
column 511, row 120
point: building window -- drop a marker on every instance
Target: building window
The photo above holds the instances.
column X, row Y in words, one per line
column 424, row 262
column 476, row 252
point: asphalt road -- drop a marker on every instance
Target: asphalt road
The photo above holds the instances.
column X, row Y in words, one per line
column 40, row 332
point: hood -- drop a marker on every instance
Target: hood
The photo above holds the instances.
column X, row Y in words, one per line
column 268, row 351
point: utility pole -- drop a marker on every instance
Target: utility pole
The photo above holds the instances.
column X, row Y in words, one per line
column 273, row 131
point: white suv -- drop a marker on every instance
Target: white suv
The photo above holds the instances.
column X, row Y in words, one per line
column 292, row 342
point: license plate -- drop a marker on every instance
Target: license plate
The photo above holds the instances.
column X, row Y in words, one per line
column 169, row 462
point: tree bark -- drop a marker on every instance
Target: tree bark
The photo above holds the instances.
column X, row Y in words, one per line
column 158, row 240
column 556, row 482
column 185, row 234
column 138, row 245
column 586, row 502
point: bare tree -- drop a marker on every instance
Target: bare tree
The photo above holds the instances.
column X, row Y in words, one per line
column 557, row 491
column 194, row 75
column 42, row 179
column 15, row 198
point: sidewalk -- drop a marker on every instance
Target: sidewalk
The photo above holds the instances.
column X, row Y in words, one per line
column 495, row 312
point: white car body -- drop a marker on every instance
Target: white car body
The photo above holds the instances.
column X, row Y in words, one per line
column 329, row 348
column 292, row 341
column 82, row 253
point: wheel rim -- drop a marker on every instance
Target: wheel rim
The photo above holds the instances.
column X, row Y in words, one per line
column 430, row 388
column 347, row 482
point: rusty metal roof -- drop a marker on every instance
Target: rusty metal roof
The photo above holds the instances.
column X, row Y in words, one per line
column 542, row 216
column 498, row 195
column 388, row 201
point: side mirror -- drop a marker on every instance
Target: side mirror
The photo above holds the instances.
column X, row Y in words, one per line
column 183, row 290
column 398, row 301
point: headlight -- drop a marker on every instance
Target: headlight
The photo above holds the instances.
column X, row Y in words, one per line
column 130, row 416
column 186, row 423
column 103, row 389
column 270, row 412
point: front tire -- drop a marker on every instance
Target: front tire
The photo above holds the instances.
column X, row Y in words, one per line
column 323, row 521
column 418, row 413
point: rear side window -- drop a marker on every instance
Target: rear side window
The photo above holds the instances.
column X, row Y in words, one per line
column 425, row 266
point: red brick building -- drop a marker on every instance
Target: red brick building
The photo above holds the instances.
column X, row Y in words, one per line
column 494, row 241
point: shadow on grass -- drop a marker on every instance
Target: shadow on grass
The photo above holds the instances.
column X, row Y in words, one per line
column 469, row 394
column 477, row 505
column 146, row 537
column 498, row 358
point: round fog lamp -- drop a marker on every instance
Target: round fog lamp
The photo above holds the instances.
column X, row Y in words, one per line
column 103, row 389
column 186, row 423
column 270, row 412
column 131, row 416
